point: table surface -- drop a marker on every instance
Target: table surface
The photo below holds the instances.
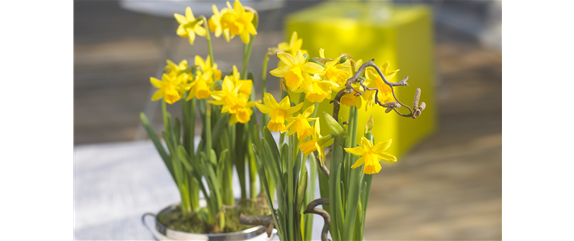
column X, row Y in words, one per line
column 114, row 184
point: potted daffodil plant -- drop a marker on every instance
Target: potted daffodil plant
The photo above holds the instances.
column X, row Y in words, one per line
column 285, row 167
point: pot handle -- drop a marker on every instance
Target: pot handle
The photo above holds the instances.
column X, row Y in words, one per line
column 147, row 227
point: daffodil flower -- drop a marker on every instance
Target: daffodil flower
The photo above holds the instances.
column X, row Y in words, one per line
column 215, row 22
column 189, row 25
column 371, row 155
column 243, row 113
column 300, row 124
column 167, row 88
column 238, row 22
column 227, row 97
column 246, row 85
column 179, row 71
column 316, row 90
column 336, row 72
column 278, row 112
column 174, row 69
column 208, row 69
column 374, row 80
column 199, row 88
column 351, row 99
column 296, row 70
column 316, row 144
column 293, row 46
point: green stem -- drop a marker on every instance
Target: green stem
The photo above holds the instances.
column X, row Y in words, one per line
column 208, row 37
column 246, row 56
column 263, row 88
column 164, row 114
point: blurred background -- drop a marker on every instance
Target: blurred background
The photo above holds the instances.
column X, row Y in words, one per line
column 446, row 187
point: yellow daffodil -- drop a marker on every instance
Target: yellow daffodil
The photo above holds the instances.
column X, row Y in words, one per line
column 208, row 69
column 293, row 46
column 371, row 155
column 174, row 69
column 300, row 124
column 316, row 144
column 179, row 71
column 227, row 97
column 336, row 72
column 200, row 88
column 189, row 25
column 296, row 70
column 168, row 88
column 246, row 85
column 374, row 80
column 351, row 99
column 215, row 22
column 243, row 113
column 316, row 90
column 278, row 112
column 238, row 22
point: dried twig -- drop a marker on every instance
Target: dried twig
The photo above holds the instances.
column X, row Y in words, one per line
column 416, row 111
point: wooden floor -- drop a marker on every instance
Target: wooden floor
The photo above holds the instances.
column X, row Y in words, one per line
column 447, row 188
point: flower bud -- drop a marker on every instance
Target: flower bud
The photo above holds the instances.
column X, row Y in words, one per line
column 369, row 125
column 334, row 126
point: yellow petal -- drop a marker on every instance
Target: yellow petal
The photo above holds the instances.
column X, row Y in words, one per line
column 308, row 111
column 313, row 68
column 299, row 58
column 366, row 144
column 189, row 15
column 280, row 72
column 387, row 157
column 238, row 7
column 181, row 31
column 382, row 146
column 294, row 109
column 180, row 18
column 358, row 163
column 245, row 37
column 200, row 31
column 286, row 58
column 251, row 28
column 293, row 37
column 264, row 108
column 157, row 95
column 283, row 46
column 191, row 37
column 357, row 151
column 155, row 82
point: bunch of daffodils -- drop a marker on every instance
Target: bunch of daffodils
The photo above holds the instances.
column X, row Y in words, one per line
column 231, row 138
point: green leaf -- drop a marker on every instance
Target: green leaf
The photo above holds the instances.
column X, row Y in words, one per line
column 158, row 146
column 301, row 191
column 177, row 129
column 213, row 158
column 219, row 126
column 184, row 157
column 271, row 142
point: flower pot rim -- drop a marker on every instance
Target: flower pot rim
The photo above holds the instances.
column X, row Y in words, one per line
column 170, row 233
